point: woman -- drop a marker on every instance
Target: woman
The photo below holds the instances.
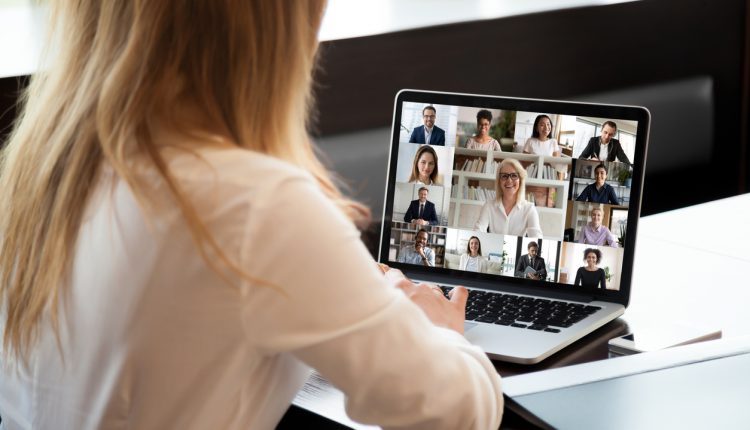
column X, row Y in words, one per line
column 483, row 140
column 541, row 143
column 594, row 233
column 425, row 167
column 155, row 153
column 510, row 213
column 472, row 260
column 591, row 276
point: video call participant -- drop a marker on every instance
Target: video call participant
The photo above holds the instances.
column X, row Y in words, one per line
column 590, row 275
column 605, row 147
column 418, row 253
column 533, row 261
column 483, row 140
column 428, row 133
column 594, row 233
column 510, row 213
column 472, row 260
column 421, row 211
column 599, row 191
column 425, row 167
column 541, row 141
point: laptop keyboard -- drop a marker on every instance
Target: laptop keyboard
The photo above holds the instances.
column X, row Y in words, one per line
column 523, row 312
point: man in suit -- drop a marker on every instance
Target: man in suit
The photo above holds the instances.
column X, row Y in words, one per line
column 428, row 133
column 421, row 212
column 605, row 147
column 534, row 261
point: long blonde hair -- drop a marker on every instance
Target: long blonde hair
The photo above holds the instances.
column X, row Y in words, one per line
column 121, row 67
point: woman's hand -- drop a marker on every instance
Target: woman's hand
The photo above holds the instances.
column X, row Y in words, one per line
column 441, row 311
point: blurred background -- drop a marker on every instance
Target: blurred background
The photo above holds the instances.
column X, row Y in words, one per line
column 685, row 60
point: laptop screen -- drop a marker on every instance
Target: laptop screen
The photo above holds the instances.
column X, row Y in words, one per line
column 535, row 193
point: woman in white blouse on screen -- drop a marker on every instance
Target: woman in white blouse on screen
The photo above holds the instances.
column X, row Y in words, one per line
column 472, row 260
column 511, row 213
column 542, row 143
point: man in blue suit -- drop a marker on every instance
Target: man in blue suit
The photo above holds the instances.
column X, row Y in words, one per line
column 428, row 133
column 421, row 211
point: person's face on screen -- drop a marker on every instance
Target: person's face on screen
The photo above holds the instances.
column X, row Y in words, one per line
column 483, row 126
column 544, row 128
column 428, row 117
column 591, row 259
column 596, row 218
column 608, row 132
column 474, row 246
column 426, row 165
column 532, row 251
column 601, row 176
column 421, row 240
column 509, row 185
column 423, row 196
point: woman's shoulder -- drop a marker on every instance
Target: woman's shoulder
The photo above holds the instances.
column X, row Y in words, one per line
column 232, row 165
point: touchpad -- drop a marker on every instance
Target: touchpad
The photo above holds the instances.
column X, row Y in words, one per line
column 469, row 325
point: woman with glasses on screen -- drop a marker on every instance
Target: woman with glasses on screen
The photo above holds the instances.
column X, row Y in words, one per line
column 175, row 256
column 510, row 213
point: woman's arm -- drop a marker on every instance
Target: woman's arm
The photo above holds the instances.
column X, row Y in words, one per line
column 533, row 228
column 483, row 221
column 331, row 308
column 579, row 277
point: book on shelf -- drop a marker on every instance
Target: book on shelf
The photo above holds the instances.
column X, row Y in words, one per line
column 551, row 197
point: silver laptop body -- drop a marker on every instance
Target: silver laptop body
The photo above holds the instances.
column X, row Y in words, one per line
column 466, row 137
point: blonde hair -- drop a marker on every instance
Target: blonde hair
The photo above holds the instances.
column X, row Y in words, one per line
column 124, row 67
column 415, row 165
column 521, row 196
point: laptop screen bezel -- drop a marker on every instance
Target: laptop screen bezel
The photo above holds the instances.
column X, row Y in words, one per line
column 520, row 285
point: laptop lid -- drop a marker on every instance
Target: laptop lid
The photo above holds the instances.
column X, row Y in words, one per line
column 575, row 172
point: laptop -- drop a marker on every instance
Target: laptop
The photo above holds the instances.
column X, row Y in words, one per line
column 532, row 205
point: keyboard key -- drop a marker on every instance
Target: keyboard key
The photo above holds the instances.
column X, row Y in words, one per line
column 552, row 330
column 518, row 325
column 536, row 327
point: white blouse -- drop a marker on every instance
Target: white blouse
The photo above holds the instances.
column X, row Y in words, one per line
column 152, row 338
column 523, row 219
column 536, row 146
column 473, row 264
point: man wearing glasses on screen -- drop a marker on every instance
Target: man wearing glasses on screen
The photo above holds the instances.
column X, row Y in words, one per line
column 428, row 133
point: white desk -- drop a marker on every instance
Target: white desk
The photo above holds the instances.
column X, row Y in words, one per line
column 693, row 264
column 683, row 273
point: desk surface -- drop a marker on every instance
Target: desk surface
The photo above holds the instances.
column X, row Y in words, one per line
column 690, row 267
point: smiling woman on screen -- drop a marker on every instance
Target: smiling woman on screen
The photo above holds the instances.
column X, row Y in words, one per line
column 174, row 255
column 510, row 213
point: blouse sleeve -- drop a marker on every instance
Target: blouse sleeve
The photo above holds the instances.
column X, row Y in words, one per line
column 496, row 145
column 484, row 218
column 323, row 300
column 527, row 146
column 603, row 279
column 579, row 278
column 469, row 143
column 533, row 228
